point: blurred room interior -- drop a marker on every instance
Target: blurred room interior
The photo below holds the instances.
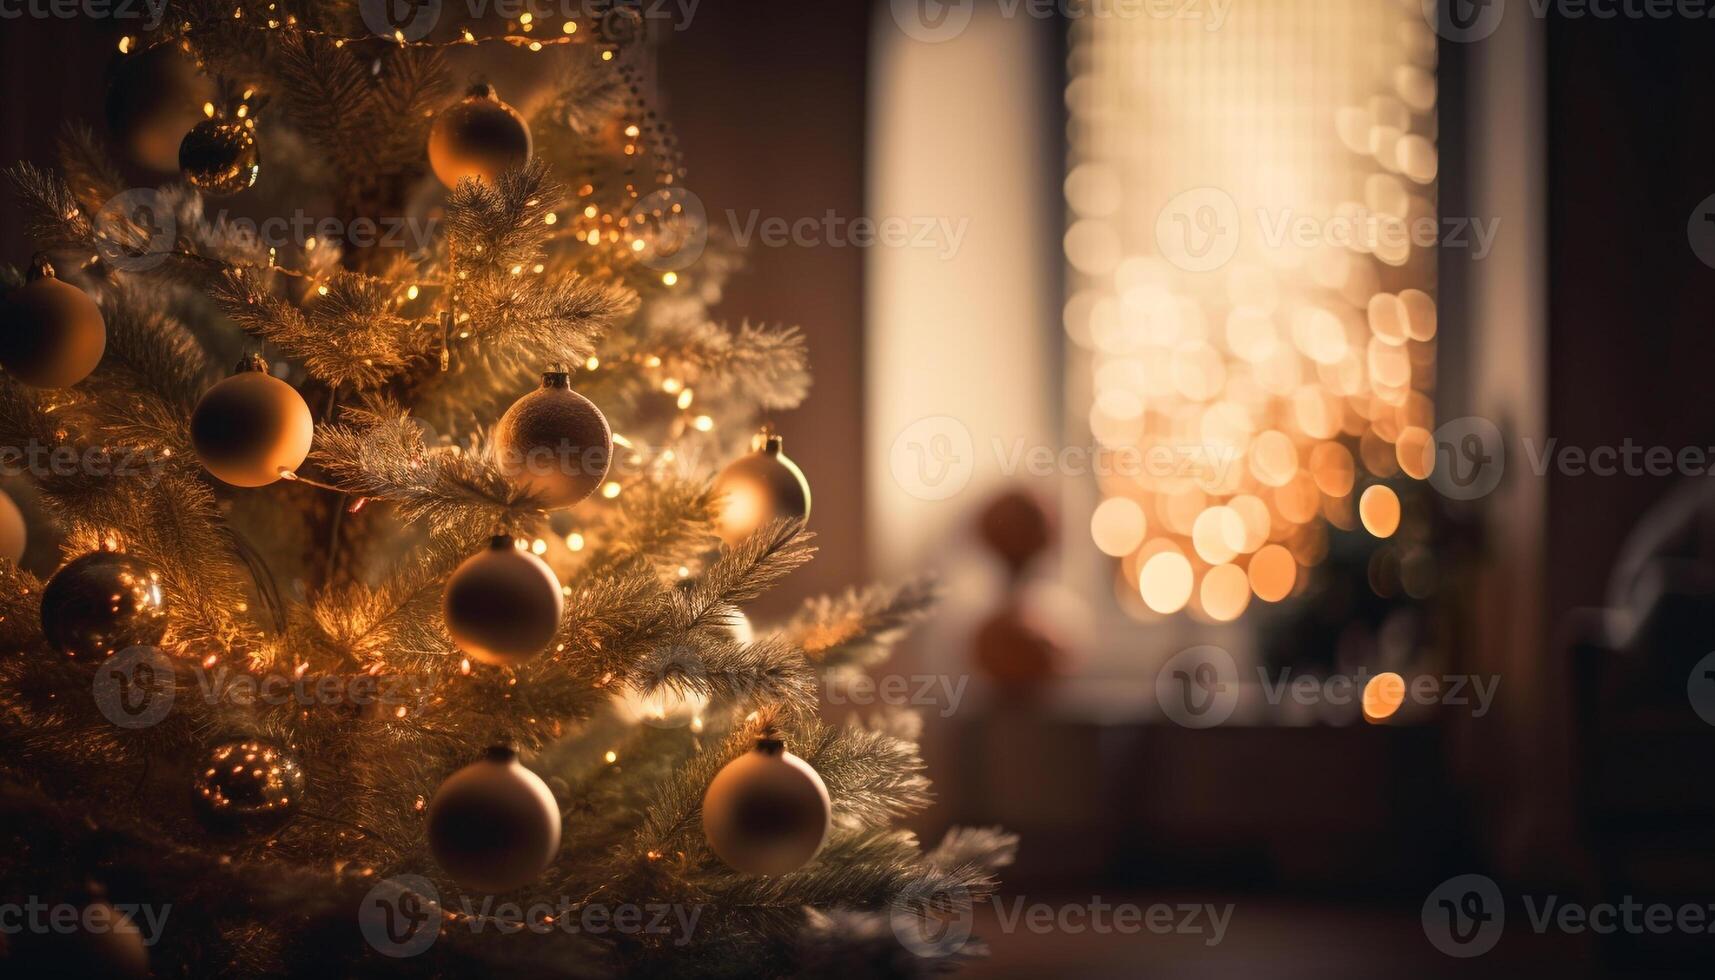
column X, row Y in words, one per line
column 1060, row 303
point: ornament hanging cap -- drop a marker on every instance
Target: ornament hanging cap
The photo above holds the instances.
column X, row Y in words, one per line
column 481, row 90
column 41, row 268
column 251, row 362
column 502, row 542
column 500, row 753
column 770, row 744
column 557, row 376
column 768, row 441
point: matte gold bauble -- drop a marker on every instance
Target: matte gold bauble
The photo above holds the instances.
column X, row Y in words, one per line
column 252, row 426
column 553, row 443
column 248, row 785
column 759, row 487
column 13, row 535
column 767, row 812
column 51, row 333
column 479, row 137
column 493, row 825
column 220, row 157
column 503, row 605
column 101, row 603
column 154, row 97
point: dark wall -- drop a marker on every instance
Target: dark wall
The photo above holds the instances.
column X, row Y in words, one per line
column 1632, row 309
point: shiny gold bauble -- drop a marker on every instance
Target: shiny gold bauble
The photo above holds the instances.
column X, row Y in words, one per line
column 493, row 826
column 101, row 603
column 51, row 333
column 479, row 137
column 252, row 426
column 759, row 487
column 248, row 785
column 154, row 97
column 767, row 812
column 554, row 444
column 13, row 535
column 220, row 157
column 503, row 605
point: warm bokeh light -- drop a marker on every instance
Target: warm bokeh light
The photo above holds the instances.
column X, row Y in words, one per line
column 1165, row 582
column 1225, row 592
column 1118, row 526
column 1378, row 508
column 1250, row 288
column 1273, row 572
column 1383, row 696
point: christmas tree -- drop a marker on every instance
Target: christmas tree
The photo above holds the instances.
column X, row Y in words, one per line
column 414, row 642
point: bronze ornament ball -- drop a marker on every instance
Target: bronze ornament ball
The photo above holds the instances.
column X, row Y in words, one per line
column 493, row 826
column 503, row 605
column 13, row 534
column 52, row 334
column 101, row 603
column 478, row 137
column 220, row 157
column 767, row 812
column 759, row 487
column 248, row 785
column 251, row 426
column 554, row 444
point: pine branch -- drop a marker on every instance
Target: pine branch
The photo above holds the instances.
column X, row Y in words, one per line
column 858, row 628
column 872, row 777
column 770, row 672
column 349, row 336
column 89, row 168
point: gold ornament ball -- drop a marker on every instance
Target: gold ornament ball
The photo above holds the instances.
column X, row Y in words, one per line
column 503, row 605
column 101, row 603
column 554, row 444
column 51, row 333
column 248, row 785
column 479, row 137
column 493, row 825
column 220, row 157
column 251, row 426
column 154, row 97
column 759, row 487
column 13, row 534
column 767, row 812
